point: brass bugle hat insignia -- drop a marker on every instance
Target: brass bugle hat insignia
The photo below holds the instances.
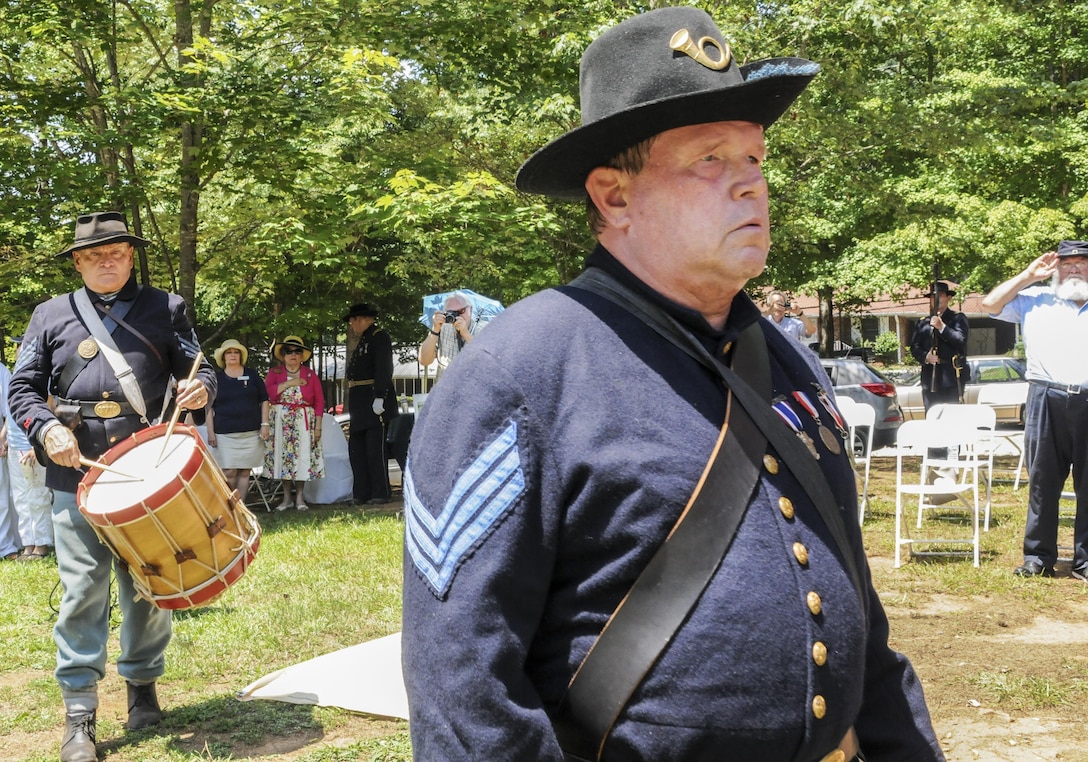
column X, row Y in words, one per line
column 682, row 42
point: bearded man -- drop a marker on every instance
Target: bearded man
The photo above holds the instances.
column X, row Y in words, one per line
column 1056, row 432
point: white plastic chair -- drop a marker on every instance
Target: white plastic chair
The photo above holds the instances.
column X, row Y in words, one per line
column 860, row 414
column 998, row 394
column 983, row 419
column 915, row 439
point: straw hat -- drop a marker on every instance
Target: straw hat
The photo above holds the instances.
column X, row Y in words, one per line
column 291, row 341
column 230, row 344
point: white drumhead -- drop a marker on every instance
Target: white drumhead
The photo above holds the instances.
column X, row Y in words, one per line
column 141, row 473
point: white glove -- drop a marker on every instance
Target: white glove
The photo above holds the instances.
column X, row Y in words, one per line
column 60, row 445
column 379, row 406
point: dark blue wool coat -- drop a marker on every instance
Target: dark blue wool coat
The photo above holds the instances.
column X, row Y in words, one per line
column 52, row 337
column 545, row 471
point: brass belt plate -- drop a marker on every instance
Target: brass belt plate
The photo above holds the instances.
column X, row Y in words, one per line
column 107, row 409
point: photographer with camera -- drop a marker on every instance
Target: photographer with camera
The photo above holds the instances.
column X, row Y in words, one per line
column 454, row 326
column 780, row 313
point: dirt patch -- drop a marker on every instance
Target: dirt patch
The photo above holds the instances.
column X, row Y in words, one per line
column 1005, row 680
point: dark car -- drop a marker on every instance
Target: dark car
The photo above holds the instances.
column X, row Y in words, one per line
column 859, row 381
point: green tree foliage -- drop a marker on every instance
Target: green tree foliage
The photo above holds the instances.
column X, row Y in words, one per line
column 289, row 157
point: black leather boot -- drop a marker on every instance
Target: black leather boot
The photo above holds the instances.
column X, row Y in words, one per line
column 143, row 706
column 78, row 743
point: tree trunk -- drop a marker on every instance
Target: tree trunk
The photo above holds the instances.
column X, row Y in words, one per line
column 192, row 131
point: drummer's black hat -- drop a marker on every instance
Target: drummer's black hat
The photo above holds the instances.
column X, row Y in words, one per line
column 98, row 228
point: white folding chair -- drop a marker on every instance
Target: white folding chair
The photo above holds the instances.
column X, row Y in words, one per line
column 996, row 395
column 983, row 420
column 267, row 489
column 860, row 415
column 916, row 439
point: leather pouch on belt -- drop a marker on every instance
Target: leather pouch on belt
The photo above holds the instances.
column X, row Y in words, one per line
column 69, row 415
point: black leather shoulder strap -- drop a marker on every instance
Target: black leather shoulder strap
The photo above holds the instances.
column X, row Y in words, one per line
column 797, row 458
column 669, row 586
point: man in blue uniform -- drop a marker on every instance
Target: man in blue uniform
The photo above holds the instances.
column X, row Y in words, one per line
column 93, row 411
column 372, row 402
column 546, row 473
column 1054, row 323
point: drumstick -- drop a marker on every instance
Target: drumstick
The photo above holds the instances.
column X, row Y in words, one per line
column 103, row 467
column 177, row 408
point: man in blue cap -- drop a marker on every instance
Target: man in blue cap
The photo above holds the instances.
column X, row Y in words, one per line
column 594, row 498
column 1054, row 323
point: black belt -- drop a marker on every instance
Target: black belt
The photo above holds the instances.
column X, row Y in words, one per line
column 100, row 408
column 1070, row 389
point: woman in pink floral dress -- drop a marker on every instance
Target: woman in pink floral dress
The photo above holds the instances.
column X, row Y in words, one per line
column 298, row 402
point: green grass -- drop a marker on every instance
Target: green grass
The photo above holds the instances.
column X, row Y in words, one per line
column 322, row 580
column 330, row 578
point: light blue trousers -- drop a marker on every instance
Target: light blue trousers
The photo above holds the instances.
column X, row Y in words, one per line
column 83, row 627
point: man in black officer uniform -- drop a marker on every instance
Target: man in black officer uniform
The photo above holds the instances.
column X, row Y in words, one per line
column 940, row 345
column 66, row 354
column 372, row 402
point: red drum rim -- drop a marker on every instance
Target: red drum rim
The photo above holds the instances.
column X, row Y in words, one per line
column 207, row 592
column 128, row 514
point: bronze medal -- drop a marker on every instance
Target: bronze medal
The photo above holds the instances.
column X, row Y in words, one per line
column 808, row 443
column 87, row 348
column 831, row 442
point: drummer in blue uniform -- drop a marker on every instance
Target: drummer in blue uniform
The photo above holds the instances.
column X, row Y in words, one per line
column 66, row 354
column 557, row 466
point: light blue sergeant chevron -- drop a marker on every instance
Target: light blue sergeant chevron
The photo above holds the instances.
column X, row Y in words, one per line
column 485, row 492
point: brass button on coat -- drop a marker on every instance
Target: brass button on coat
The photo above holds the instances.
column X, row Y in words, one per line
column 770, row 463
column 819, row 653
column 786, row 506
column 815, row 605
column 819, row 707
column 800, row 552
column 836, row 756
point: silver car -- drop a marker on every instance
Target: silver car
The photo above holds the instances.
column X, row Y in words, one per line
column 858, row 380
column 984, row 370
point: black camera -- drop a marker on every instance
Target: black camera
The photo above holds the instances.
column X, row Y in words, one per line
column 788, row 305
column 451, row 316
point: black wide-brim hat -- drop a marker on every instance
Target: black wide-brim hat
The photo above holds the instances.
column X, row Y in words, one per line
column 1072, row 249
column 943, row 287
column 100, row 228
column 363, row 309
column 656, row 72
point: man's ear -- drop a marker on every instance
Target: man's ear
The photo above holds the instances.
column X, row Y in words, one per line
column 607, row 187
